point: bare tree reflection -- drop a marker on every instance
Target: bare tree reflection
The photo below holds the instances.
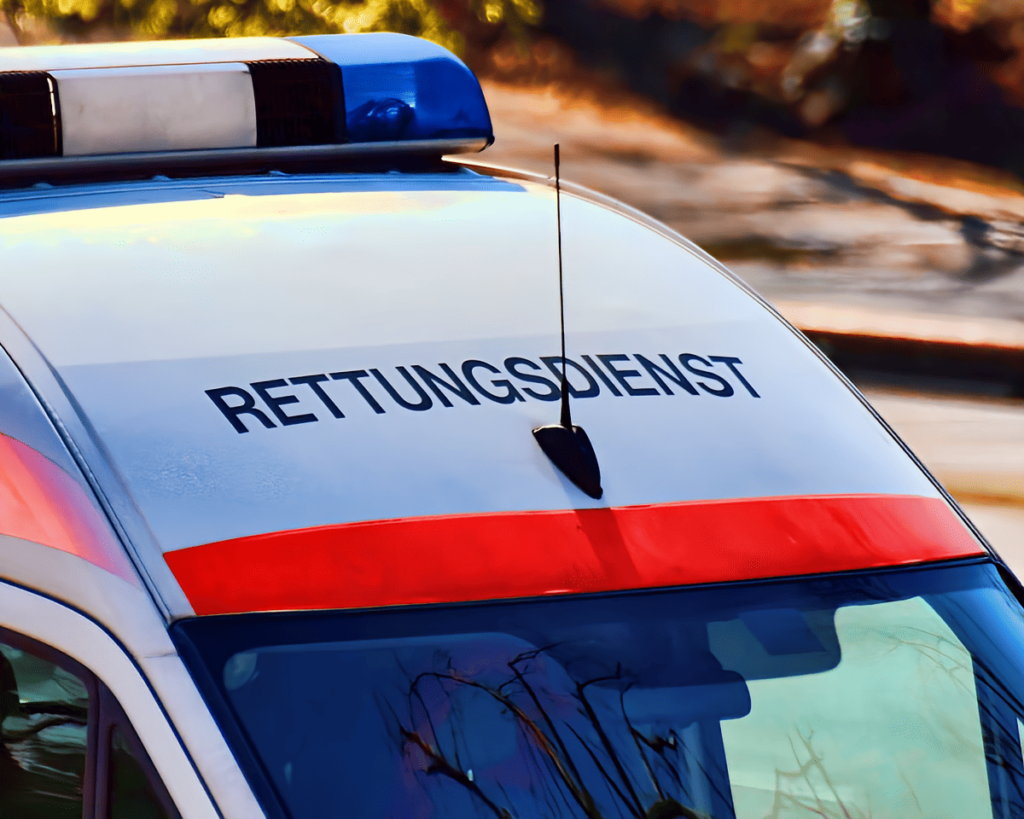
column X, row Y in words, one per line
column 807, row 771
column 550, row 740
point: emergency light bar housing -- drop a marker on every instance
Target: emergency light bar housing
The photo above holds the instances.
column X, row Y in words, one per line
column 230, row 102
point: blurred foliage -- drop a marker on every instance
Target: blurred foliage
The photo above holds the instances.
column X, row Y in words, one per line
column 446, row 22
column 935, row 76
column 715, row 12
column 961, row 15
column 810, row 54
column 938, row 76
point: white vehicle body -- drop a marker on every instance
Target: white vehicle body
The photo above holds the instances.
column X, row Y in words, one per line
column 315, row 391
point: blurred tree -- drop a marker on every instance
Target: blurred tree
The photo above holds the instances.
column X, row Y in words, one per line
column 445, row 22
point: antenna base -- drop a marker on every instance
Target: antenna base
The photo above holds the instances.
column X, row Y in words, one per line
column 570, row 450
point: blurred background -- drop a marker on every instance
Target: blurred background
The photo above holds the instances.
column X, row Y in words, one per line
column 858, row 162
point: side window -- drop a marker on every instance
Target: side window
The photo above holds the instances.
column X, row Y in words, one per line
column 44, row 750
column 67, row 750
column 133, row 789
column 131, row 792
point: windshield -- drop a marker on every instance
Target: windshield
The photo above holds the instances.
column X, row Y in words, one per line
column 884, row 694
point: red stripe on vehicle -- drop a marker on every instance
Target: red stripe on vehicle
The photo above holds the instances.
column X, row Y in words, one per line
column 523, row 554
column 41, row 502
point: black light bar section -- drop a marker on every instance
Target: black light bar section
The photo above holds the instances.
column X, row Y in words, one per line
column 29, row 116
column 298, row 102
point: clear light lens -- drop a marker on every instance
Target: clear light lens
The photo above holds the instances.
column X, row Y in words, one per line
column 156, row 108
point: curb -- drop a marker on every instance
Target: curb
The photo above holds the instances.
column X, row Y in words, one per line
column 956, row 353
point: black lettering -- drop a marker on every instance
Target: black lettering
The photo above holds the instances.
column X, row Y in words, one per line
column 455, row 386
column 592, row 386
column 726, row 390
column 656, row 372
column 313, row 382
column 424, row 403
column 247, row 406
column 353, row 376
column 731, row 362
column 511, row 364
column 622, row 375
column 510, row 395
column 600, row 374
column 275, row 403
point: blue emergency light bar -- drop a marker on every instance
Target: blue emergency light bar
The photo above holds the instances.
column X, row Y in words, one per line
column 399, row 87
column 150, row 105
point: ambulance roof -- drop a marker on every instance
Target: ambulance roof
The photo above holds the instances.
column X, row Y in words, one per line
column 318, row 391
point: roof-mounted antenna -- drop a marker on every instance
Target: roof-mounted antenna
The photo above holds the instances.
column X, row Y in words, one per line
column 566, row 445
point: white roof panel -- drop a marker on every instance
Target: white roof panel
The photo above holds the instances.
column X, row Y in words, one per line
column 165, row 52
column 143, row 309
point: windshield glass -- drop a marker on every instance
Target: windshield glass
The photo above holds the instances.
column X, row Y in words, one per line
column 884, row 694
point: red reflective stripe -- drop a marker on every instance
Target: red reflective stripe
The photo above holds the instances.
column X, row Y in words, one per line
column 522, row 554
column 41, row 502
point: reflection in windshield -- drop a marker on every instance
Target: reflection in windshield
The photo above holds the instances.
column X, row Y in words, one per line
column 866, row 696
column 490, row 721
column 893, row 730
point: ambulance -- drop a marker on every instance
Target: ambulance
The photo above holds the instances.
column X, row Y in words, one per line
column 338, row 479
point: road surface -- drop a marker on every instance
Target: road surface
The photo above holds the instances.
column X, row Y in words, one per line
column 976, row 448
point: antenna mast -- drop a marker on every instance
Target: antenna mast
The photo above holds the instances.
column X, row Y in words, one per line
column 566, row 419
column 567, row 446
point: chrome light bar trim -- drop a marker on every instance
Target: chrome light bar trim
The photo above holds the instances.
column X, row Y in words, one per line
column 21, row 172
